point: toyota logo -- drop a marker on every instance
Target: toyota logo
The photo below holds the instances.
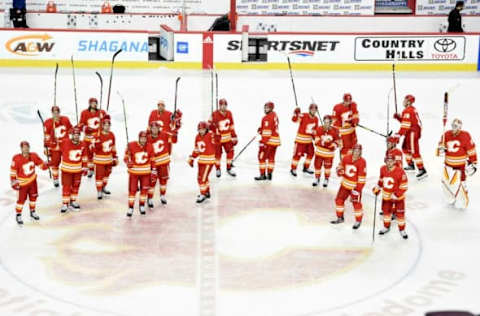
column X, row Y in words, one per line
column 445, row 45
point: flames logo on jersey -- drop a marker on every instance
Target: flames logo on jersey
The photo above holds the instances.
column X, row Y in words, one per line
column 201, row 146
column 350, row 170
column 141, row 157
column 325, row 139
column 107, row 146
column 75, row 155
column 94, row 122
column 28, row 168
column 453, row 146
column 388, row 183
column 158, row 146
column 224, row 125
column 60, row 131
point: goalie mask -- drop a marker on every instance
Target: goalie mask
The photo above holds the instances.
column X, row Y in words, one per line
column 457, row 125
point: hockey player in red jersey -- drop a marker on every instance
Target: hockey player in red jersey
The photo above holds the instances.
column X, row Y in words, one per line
column 24, row 179
column 411, row 129
column 392, row 149
column 353, row 170
column 460, row 161
column 74, row 165
column 167, row 121
column 160, row 144
column 345, row 118
column 269, row 142
column 221, row 123
column 326, row 141
column 308, row 123
column 56, row 130
column 104, row 157
column 140, row 163
column 90, row 120
column 205, row 152
column 393, row 182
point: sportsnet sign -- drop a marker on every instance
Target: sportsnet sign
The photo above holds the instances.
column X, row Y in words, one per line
column 410, row 48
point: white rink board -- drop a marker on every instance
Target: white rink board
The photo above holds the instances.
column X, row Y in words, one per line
column 393, row 273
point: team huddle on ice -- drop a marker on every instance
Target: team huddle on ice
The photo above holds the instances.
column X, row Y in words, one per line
column 148, row 158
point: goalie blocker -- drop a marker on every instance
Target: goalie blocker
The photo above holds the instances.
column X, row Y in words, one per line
column 459, row 149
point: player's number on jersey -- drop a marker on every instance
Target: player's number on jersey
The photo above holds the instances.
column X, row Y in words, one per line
column 388, row 182
column 107, row 146
column 75, row 155
column 453, row 146
column 141, row 157
column 28, row 168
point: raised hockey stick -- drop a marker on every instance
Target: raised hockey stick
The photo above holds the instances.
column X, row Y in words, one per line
column 55, row 86
column 111, row 76
column 211, row 89
column 45, row 146
column 394, row 87
column 318, row 113
column 243, row 149
column 445, row 116
column 388, row 111
column 124, row 115
column 374, row 219
column 293, row 82
column 75, row 89
column 176, row 98
column 216, row 91
column 101, row 87
column 371, row 130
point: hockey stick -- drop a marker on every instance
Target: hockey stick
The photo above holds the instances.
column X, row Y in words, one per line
column 374, row 219
column 371, row 130
column 45, row 146
column 388, row 111
column 293, row 83
column 394, row 87
column 445, row 116
column 101, row 87
column 318, row 113
column 75, row 89
column 211, row 88
column 243, row 149
column 55, row 86
column 124, row 116
column 111, row 76
column 216, row 91
column 176, row 97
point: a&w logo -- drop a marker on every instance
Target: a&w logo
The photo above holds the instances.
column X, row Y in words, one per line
column 30, row 45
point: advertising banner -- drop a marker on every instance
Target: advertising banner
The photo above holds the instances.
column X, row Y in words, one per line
column 311, row 7
column 97, row 46
column 439, row 7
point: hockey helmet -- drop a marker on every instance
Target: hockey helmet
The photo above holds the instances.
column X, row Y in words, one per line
column 357, row 146
column 142, row 134
column 222, row 102
column 327, row 117
column 270, row 105
column 24, row 143
column 457, row 124
column 410, row 98
column 347, row 97
column 76, row 130
column 202, row 125
column 55, row 108
column 313, row 106
column 392, row 139
column 92, row 100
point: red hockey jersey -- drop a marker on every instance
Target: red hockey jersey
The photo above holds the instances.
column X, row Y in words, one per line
column 141, row 158
column 105, row 150
column 160, row 147
column 354, row 173
column 393, row 182
column 306, row 129
column 224, row 128
column 410, row 121
column 459, row 149
column 269, row 130
column 204, row 149
column 55, row 132
column 345, row 118
column 163, row 119
column 326, row 141
column 90, row 123
column 22, row 168
column 74, row 156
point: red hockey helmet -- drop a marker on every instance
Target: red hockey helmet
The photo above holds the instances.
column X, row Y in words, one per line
column 24, row 143
column 410, row 98
column 392, row 139
column 92, row 100
column 357, row 146
column 142, row 134
column 76, row 130
column 327, row 117
column 347, row 97
column 202, row 125
column 222, row 102
column 313, row 106
column 55, row 108
column 270, row 105
column 178, row 114
column 389, row 157
column 106, row 119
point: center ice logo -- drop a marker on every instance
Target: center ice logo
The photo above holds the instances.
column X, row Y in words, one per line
column 30, row 45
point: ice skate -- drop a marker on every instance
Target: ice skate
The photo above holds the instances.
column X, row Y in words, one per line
column 105, row 191
column 201, row 198
column 409, row 168
column 325, row 183
column 207, row 195
column 231, row 172
column 293, row 172
column 19, row 219
column 357, row 225
column 383, row 231
column 404, row 235
column 99, row 195
column 56, row 183
column 163, row 199
column 64, row 209
column 339, row 220
column 218, row 173
column 422, row 174
column 269, row 176
column 34, row 215
column 90, row 173
column 260, row 177
column 130, row 212
column 150, row 203
column 75, row 205
column 142, row 210
column 316, row 182
column 308, row 171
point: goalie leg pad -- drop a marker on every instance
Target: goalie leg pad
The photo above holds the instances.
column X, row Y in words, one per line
column 451, row 182
column 462, row 199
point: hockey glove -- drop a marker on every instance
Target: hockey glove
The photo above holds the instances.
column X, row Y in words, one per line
column 376, row 190
column 340, row 171
column 15, row 185
column 441, row 151
column 234, row 141
column 397, row 116
column 471, row 169
column 297, row 111
column 190, row 161
column 259, row 130
column 115, row 162
column 395, row 197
